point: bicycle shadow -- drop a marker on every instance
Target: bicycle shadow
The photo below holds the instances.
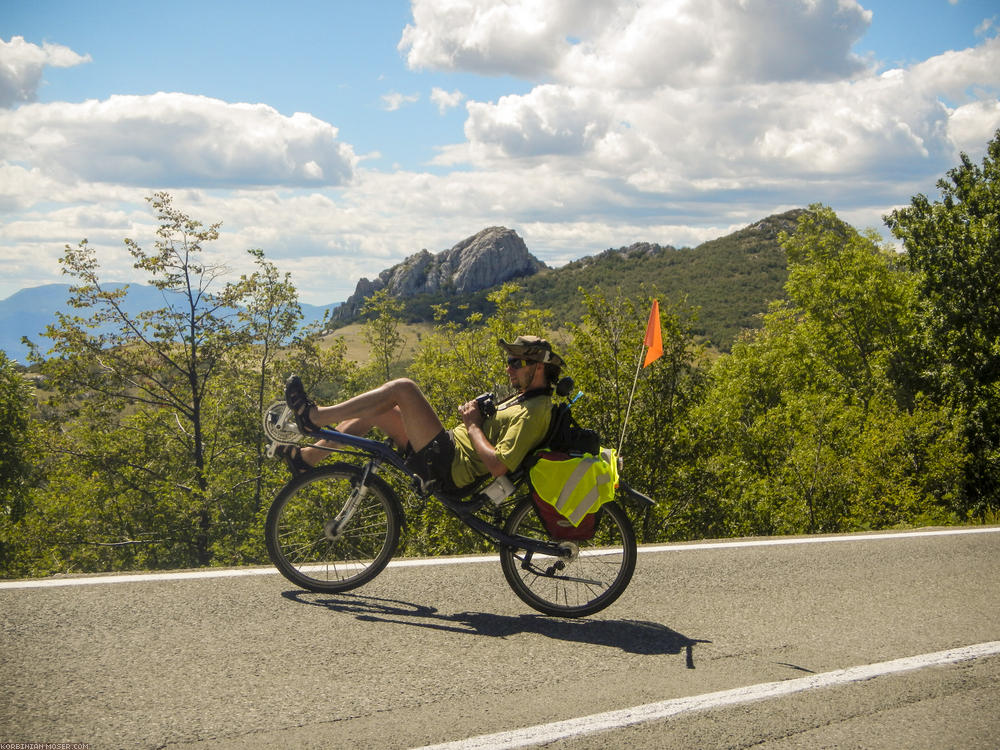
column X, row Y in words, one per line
column 631, row 636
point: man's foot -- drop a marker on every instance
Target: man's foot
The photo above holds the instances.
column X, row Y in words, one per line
column 300, row 404
column 292, row 456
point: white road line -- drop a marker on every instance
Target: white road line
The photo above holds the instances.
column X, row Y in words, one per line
column 860, row 537
column 560, row 730
column 433, row 561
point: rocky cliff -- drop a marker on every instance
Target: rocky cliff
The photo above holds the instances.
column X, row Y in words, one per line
column 484, row 260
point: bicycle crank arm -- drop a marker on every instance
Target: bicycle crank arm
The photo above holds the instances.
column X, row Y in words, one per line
column 553, row 572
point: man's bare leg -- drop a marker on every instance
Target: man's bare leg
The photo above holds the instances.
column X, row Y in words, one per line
column 390, row 423
column 398, row 408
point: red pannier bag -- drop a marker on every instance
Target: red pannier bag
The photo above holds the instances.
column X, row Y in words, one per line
column 558, row 526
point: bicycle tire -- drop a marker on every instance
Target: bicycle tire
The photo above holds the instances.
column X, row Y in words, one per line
column 307, row 554
column 596, row 575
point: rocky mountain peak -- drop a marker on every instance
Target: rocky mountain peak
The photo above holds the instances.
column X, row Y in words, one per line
column 484, row 260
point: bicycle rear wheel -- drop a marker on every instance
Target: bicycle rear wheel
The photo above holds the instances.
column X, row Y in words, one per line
column 317, row 543
column 595, row 575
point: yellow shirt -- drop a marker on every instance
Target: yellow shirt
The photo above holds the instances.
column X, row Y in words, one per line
column 517, row 428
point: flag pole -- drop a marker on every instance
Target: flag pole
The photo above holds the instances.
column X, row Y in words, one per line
column 628, row 411
column 654, row 341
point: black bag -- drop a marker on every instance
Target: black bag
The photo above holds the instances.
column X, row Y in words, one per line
column 569, row 437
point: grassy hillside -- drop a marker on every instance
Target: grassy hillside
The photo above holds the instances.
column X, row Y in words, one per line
column 730, row 279
column 358, row 349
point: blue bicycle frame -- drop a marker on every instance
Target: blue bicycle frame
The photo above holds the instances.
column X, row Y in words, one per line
column 379, row 452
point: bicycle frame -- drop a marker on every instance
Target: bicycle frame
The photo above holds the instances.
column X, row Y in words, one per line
column 379, row 453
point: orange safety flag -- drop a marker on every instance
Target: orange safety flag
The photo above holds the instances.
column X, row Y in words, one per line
column 653, row 339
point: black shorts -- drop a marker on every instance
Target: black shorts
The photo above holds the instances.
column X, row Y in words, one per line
column 433, row 462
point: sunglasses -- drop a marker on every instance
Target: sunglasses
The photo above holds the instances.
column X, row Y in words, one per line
column 516, row 363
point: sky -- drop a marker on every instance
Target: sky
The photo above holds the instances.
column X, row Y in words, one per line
column 341, row 137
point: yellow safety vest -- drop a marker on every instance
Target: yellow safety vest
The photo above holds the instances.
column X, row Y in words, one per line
column 576, row 486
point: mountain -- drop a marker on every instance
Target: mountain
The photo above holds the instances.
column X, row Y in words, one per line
column 730, row 280
column 482, row 261
column 28, row 312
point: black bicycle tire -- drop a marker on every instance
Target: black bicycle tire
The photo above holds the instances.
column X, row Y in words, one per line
column 510, row 563
column 387, row 500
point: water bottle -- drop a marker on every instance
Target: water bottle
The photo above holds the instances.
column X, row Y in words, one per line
column 499, row 490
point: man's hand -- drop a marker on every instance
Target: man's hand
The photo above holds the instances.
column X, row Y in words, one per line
column 470, row 414
column 473, row 420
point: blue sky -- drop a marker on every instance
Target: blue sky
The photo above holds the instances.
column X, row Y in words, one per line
column 581, row 125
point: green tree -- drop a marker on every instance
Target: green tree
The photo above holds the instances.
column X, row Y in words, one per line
column 953, row 245
column 381, row 330
column 854, row 296
column 802, row 421
column 157, row 448
column 18, row 449
column 268, row 320
column 160, row 359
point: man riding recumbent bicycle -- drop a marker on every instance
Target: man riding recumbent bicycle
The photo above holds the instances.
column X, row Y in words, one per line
column 519, row 472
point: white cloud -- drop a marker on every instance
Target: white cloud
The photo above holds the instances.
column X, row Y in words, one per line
column 730, row 136
column 446, row 100
column 394, row 100
column 21, row 65
column 961, row 76
column 551, row 120
column 174, row 140
column 521, row 37
column 642, row 44
column 967, row 124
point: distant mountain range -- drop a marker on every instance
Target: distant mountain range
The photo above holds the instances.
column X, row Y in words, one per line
column 29, row 311
column 730, row 280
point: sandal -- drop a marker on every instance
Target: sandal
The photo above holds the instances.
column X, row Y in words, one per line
column 292, row 456
column 300, row 404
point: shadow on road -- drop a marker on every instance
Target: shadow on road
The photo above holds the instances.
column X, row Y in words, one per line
column 633, row 636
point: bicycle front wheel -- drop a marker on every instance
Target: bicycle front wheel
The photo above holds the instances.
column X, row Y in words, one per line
column 596, row 573
column 326, row 532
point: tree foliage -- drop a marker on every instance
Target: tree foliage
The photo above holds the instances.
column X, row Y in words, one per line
column 381, row 331
column 18, row 448
column 156, row 456
column 953, row 246
column 802, row 429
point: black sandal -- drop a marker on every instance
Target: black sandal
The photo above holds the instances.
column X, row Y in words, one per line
column 300, row 404
column 292, row 456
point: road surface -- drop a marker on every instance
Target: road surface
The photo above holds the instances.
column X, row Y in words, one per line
column 696, row 653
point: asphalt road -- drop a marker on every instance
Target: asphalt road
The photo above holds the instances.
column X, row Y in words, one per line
column 435, row 654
